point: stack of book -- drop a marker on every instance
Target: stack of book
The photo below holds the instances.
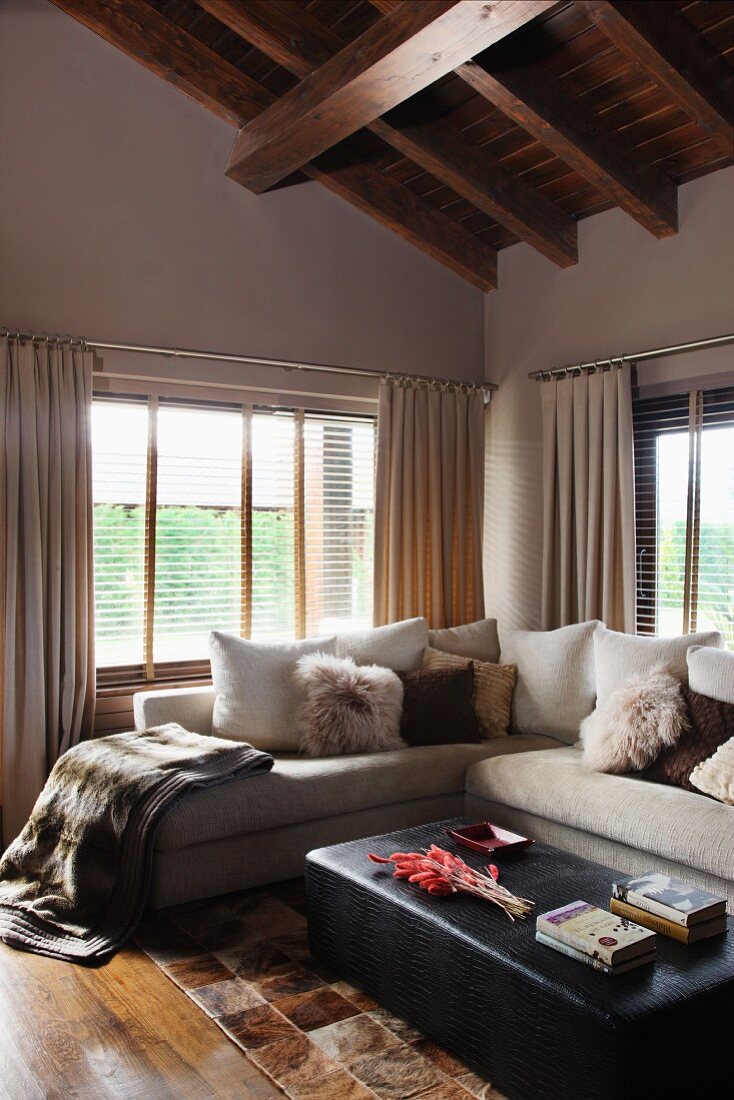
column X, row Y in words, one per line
column 595, row 937
column 669, row 906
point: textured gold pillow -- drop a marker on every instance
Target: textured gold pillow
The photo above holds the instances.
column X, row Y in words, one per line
column 493, row 687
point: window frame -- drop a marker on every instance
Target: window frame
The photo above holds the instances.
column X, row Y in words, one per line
column 692, row 410
column 117, row 679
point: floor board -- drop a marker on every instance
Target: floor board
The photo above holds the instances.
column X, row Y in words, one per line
column 123, row 1030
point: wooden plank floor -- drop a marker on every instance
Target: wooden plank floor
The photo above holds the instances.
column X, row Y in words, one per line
column 124, row 1030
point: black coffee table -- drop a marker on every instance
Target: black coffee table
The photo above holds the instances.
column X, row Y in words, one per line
column 535, row 1023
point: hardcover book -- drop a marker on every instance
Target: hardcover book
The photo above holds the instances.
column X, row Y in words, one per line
column 669, row 897
column 590, row 960
column 679, row 932
column 597, row 932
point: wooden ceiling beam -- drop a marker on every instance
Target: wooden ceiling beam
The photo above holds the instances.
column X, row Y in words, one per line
column 443, row 151
column 533, row 98
column 528, row 94
column 165, row 49
column 299, row 42
column 402, row 53
column 667, row 48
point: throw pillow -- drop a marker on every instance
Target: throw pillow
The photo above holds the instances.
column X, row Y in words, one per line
column 257, row 697
column 556, row 682
column 710, row 724
column 398, row 646
column 711, row 672
column 437, row 706
column 493, row 687
column 349, row 708
column 634, row 723
column 477, row 641
column 715, row 776
column 620, row 656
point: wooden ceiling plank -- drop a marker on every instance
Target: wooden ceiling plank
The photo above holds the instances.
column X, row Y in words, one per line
column 666, row 47
column 167, row 50
column 535, row 100
column 300, row 43
column 399, row 55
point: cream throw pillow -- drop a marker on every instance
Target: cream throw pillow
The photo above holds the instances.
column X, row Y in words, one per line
column 478, row 641
column 711, row 672
column 258, row 698
column 621, row 656
column 556, row 682
column 493, row 687
column 715, row 776
column 398, row 646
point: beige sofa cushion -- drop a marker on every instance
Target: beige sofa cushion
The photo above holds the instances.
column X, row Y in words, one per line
column 478, row 641
column 664, row 821
column 556, row 684
column 299, row 789
column 621, row 656
column 398, row 646
column 258, row 698
column 711, row 672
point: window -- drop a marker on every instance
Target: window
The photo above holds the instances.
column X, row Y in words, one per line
column 684, row 480
column 254, row 521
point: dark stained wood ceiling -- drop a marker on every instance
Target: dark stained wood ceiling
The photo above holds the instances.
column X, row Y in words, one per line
column 602, row 105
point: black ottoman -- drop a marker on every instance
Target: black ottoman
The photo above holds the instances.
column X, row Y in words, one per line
column 535, row 1023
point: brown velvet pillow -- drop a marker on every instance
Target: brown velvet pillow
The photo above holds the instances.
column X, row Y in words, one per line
column 711, row 724
column 437, row 706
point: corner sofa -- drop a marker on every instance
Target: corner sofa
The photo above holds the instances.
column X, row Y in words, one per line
column 254, row 831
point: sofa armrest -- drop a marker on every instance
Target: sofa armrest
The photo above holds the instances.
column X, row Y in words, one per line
column 192, row 708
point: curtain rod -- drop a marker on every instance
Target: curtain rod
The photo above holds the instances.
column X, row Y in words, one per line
column 252, row 360
column 620, row 360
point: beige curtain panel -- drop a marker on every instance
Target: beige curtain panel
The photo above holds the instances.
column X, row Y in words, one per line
column 428, row 504
column 588, row 494
column 46, row 614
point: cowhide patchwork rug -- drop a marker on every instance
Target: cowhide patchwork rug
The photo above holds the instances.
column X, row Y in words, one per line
column 244, row 960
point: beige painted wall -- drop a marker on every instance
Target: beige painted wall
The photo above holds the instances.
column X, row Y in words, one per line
column 117, row 222
column 627, row 293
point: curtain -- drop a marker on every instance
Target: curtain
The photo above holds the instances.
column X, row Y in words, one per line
column 588, row 498
column 429, row 503
column 46, row 579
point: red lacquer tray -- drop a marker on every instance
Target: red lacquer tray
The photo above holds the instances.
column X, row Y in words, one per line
column 485, row 837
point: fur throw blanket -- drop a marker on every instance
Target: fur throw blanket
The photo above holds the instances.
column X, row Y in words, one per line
column 73, row 885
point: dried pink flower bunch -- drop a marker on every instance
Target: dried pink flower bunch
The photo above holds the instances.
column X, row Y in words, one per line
column 440, row 873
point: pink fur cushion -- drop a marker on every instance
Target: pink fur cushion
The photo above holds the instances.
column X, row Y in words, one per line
column 349, row 708
column 634, row 724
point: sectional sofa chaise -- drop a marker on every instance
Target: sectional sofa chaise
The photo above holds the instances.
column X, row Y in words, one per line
column 258, row 830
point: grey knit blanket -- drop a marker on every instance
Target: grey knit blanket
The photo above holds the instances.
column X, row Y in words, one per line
column 73, row 885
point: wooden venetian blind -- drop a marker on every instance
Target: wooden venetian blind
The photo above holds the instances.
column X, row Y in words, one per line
column 684, row 483
column 254, row 521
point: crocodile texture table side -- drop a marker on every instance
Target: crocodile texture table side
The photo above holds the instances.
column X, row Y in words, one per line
column 535, row 1023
